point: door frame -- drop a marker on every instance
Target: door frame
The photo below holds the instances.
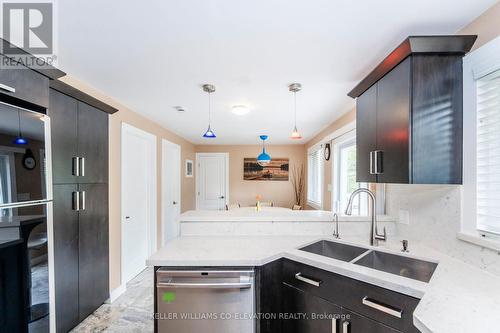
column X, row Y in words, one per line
column 152, row 189
column 164, row 144
column 197, row 171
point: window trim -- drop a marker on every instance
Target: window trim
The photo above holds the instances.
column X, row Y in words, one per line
column 476, row 65
column 314, row 204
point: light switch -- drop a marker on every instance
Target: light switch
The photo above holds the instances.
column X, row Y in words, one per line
column 404, row 217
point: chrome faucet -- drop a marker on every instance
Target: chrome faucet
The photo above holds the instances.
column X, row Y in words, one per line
column 375, row 236
column 336, row 230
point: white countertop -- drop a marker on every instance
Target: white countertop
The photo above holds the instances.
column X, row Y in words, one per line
column 459, row 297
column 267, row 214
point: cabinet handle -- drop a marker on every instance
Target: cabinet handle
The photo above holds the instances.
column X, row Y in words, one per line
column 82, row 198
column 81, row 163
column 299, row 277
column 345, row 327
column 76, row 201
column 372, row 171
column 382, row 307
column 7, row 88
column 76, row 166
column 334, row 325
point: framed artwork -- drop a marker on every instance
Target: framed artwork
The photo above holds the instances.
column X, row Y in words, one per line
column 189, row 169
column 276, row 170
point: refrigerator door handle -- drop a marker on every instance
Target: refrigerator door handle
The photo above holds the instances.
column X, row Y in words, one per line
column 76, row 201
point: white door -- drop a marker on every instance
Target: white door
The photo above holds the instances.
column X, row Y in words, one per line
column 171, row 190
column 138, row 200
column 212, row 181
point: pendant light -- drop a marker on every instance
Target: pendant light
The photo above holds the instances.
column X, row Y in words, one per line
column 294, row 87
column 20, row 140
column 209, row 88
column 263, row 159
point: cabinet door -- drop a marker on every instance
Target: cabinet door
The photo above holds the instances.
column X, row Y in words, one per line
column 309, row 314
column 93, row 144
column 65, row 257
column 63, row 118
column 93, row 282
column 393, row 125
column 366, row 134
column 355, row 323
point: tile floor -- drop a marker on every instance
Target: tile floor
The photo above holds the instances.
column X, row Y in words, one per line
column 130, row 313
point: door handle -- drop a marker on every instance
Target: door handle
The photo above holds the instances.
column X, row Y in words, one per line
column 382, row 307
column 81, row 166
column 372, row 169
column 82, row 198
column 7, row 88
column 174, row 203
column 222, row 197
column 76, row 201
column 345, row 327
column 194, row 285
column 76, row 166
column 378, row 161
column 334, row 325
column 299, row 277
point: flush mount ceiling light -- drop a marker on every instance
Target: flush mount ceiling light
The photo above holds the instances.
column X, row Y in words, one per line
column 20, row 140
column 294, row 87
column 240, row 110
column 209, row 88
column 263, row 159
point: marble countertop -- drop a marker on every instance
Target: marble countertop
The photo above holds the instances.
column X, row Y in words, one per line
column 458, row 298
column 267, row 214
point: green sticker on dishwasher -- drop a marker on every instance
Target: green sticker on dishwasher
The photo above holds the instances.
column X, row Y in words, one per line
column 168, row 297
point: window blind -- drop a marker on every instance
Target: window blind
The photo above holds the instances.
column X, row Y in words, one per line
column 314, row 174
column 488, row 153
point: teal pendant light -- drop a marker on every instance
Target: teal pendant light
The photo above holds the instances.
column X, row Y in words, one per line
column 263, row 159
column 209, row 88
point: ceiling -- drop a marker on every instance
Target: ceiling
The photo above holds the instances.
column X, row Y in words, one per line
column 154, row 55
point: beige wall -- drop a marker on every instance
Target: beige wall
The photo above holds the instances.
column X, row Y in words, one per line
column 125, row 115
column 244, row 191
column 486, row 26
column 345, row 119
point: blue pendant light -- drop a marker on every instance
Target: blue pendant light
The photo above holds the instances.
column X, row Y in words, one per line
column 209, row 134
column 20, row 140
column 263, row 159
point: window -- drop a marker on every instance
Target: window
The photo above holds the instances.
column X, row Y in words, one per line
column 315, row 178
column 481, row 195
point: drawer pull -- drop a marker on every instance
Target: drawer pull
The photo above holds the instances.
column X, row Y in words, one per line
column 299, row 277
column 7, row 88
column 382, row 307
column 345, row 327
column 334, row 325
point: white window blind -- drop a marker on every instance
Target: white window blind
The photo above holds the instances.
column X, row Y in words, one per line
column 315, row 178
column 488, row 153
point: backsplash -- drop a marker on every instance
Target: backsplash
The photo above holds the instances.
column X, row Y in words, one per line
column 435, row 220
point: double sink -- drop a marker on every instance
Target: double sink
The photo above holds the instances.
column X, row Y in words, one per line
column 390, row 263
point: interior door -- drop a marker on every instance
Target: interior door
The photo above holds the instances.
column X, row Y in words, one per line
column 212, row 181
column 92, row 132
column 65, row 257
column 63, row 114
column 137, row 147
column 171, row 190
column 93, row 263
column 393, row 124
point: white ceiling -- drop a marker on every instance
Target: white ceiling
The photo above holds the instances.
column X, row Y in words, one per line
column 154, row 55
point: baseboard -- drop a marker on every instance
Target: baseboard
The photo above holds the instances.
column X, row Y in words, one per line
column 117, row 292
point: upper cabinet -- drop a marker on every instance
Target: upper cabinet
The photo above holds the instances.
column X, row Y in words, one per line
column 409, row 114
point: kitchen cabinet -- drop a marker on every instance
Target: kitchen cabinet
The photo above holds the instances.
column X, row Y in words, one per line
column 356, row 323
column 409, row 114
column 80, row 190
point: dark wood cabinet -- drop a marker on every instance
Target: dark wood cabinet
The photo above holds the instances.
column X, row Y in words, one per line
column 93, row 266
column 92, row 144
column 65, row 257
column 413, row 103
column 356, row 323
column 307, row 313
column 79, row 141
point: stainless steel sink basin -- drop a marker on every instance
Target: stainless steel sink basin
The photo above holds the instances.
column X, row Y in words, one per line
column 408, row 267
column 334, row 250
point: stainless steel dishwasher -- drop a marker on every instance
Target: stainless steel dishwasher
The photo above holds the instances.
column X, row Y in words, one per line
column 189, row 301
